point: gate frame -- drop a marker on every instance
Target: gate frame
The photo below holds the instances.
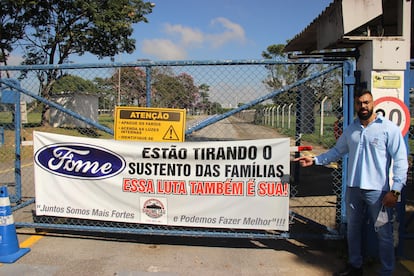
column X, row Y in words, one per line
column 348, row 90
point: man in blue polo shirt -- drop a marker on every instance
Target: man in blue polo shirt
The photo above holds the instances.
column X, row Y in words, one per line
column 374, row 145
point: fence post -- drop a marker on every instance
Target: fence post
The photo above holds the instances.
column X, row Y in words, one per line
column 322, row 115
column 290, row 115
column 278, row 118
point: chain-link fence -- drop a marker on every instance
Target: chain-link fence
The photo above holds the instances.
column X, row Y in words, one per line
column 225, row 100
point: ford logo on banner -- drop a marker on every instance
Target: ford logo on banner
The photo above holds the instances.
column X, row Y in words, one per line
column 80, row 161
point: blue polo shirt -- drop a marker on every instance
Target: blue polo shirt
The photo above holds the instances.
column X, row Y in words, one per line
column 372, row 151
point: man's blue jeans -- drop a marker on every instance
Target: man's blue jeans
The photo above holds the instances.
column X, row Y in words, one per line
column 358, row 203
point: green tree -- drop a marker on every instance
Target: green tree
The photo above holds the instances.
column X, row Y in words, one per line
column 130, row 85
column 279, row 75
column 190, row 94
column 215, row 108
column 60, row 28
column 168, row 92
column 286, row 73
column 107, row 97
column 13, row 20
column 171, row 90
column 73, row 84
column 204, row 103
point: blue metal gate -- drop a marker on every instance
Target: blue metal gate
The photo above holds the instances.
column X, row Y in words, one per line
column 303, row 101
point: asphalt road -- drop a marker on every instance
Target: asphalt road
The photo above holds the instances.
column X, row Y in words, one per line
column 59, row 254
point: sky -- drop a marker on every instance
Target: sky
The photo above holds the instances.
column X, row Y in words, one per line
column 213, row 30
column 216, row 29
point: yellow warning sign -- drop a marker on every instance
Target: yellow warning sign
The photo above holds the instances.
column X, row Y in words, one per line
column 386, row 80
column 149, row 124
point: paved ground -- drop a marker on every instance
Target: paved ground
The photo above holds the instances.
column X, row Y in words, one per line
column 76, row 254
column 80, row 255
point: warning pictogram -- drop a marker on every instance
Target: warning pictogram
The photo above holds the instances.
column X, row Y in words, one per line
column 171, row 135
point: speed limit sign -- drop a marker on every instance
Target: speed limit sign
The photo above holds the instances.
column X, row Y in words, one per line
column 395, row 110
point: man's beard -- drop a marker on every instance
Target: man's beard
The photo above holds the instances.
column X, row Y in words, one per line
column 366, row 116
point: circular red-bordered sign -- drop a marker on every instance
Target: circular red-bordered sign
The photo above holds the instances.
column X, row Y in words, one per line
column 395, row 110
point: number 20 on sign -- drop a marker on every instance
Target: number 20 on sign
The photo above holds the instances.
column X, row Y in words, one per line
column 395, row 110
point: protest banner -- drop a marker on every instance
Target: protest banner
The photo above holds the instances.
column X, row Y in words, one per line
column 231, row 184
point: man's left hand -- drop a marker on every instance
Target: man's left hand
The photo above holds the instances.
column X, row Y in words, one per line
column 389, row 200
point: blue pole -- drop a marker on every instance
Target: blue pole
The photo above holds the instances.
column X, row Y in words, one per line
column 348, row 110
column 17, row 142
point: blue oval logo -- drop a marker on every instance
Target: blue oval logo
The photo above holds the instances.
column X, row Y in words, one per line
column 80, row 161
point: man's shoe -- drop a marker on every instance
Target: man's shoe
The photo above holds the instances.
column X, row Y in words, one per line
column 350, row 271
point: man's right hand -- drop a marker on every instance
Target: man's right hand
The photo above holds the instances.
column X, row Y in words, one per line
column 304, row 161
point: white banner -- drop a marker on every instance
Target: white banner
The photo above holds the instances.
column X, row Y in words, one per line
column 234, row 184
